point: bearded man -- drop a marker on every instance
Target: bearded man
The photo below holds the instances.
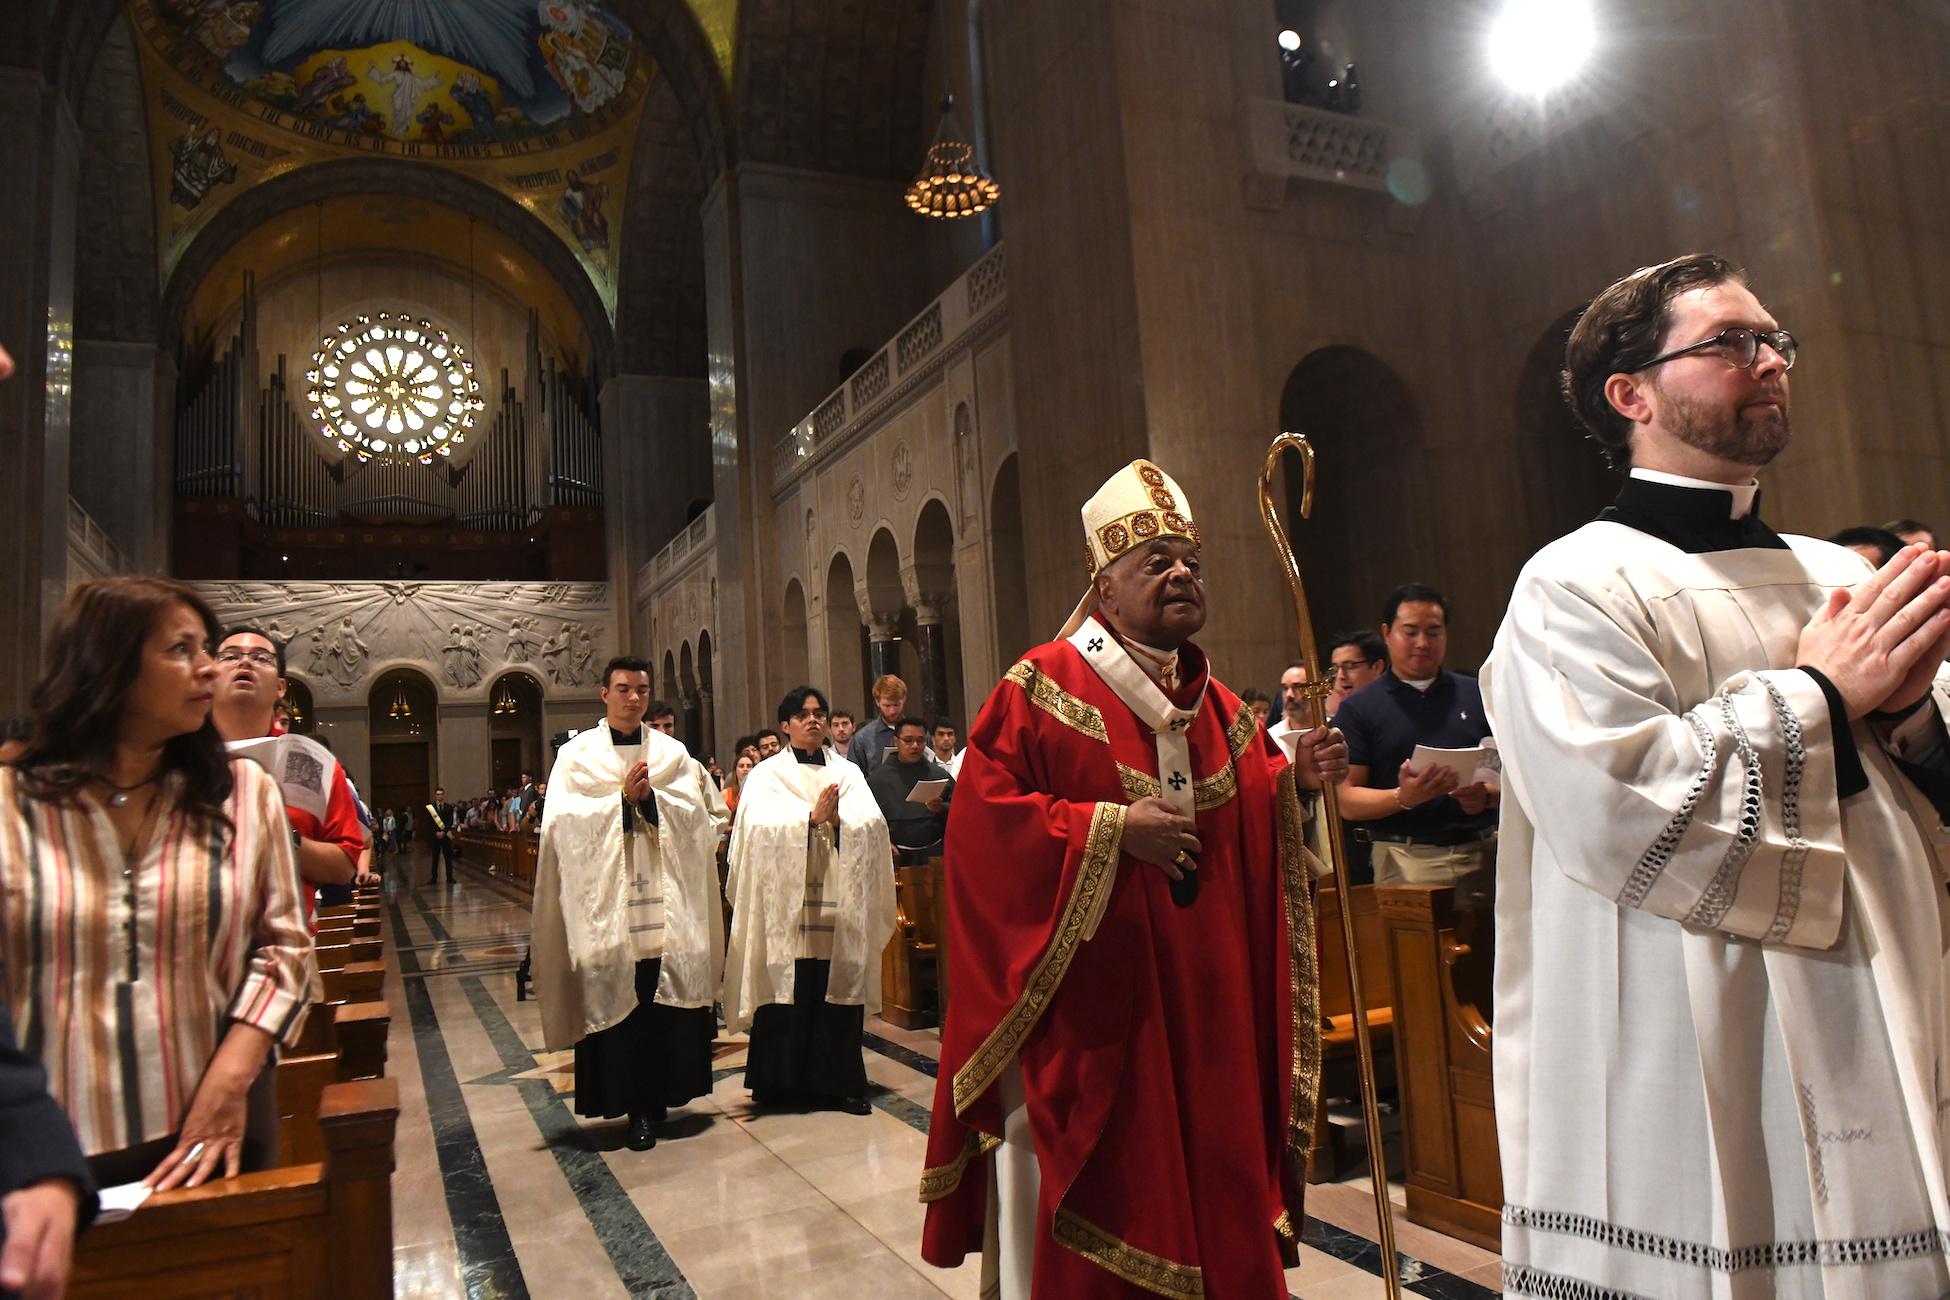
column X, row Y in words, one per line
column 1129, row 1067
column 1722, row 1032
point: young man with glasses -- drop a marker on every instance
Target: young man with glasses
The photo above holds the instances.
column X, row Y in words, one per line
column 812, row 905
column 318, row 799
column 1723, row 1026
column 629, row 932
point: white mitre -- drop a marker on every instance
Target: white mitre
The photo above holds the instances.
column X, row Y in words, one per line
column 1136, row 504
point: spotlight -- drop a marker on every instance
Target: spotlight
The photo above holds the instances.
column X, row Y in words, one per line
column 1289, row 39
column 1538, row 45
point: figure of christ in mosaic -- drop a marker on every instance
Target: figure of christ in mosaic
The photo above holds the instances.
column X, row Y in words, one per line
column 629, row 934
column 1132, row 1055
column 812, row 896
column 1722, row 1031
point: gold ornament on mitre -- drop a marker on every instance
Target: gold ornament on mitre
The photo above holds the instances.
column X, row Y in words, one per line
column 1136, row 505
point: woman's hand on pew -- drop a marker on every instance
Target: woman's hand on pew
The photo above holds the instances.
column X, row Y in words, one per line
column 211, row 1143
column 40, row 1239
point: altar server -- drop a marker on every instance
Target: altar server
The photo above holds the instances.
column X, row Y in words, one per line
column 812, row 898
column 628, row 929
column 1722, row 1032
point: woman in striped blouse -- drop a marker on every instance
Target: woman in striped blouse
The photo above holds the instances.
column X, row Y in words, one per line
column 151, row 927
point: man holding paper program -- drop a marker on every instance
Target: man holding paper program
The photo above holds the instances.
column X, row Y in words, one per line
column 913, row 792
column 1422, row 784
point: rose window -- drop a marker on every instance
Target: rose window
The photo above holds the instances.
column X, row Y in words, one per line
column 387, row 385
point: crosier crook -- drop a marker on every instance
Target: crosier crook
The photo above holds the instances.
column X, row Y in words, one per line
column 1317, row 689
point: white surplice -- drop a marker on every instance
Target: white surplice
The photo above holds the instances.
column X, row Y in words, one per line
column 606, row 898
column 780, row 868
column 1721, row 1038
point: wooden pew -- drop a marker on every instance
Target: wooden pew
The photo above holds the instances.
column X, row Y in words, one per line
column 908, row 964
column 319, row 1230
column 511, row 854
column 1440, row 947
column 1340, row 1064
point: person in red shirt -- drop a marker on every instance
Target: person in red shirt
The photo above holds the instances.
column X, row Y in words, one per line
column 318, row 800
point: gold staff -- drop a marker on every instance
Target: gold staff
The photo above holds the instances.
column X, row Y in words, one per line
column 1317, row 689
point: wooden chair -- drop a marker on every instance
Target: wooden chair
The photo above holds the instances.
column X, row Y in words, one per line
column 908, row 964
column 1340, row 1064
column 1441, row 955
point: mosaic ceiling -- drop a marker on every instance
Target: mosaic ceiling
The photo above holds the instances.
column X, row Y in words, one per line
column 539, row 99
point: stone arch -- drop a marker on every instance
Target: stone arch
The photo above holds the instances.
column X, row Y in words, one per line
column 846, row 638
column 403, row 755
column 660, row 310
column 797, row 664
column 1008, row 564
column 668, row 689
column 298, row 696
column 515, row 738
column 1566, row 481
column 885, row 602
column 1367, row 530
column 707, row 720
column 386, row 176
column 686, row 701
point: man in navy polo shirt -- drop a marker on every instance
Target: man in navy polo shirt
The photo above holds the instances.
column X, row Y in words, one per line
column 1426, row 827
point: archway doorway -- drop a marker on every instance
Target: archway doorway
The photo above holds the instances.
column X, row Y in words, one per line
column 297, row 699
column 937, row 642
column 514, row 729
column 845, row 656
column 792, row 626
column 1368, row 529
column 403, row 722
column 1566, row 481
column 1007, row 563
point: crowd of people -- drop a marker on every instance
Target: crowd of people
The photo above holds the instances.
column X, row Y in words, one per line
column 1718, row 796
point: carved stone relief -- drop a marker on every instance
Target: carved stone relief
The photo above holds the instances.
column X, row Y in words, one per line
column 856, row 500
column 459, row 633
column 903, row 468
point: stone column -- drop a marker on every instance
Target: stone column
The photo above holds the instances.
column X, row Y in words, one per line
column 707, row 724
column 883, row 653
column 931, row 643
column 691, row 714
column 121, row 438
column 656, row 461
column 465, row 761
column 39, row 142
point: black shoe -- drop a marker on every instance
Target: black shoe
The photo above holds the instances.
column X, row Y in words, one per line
column 854, row 1106
column 643, row 1133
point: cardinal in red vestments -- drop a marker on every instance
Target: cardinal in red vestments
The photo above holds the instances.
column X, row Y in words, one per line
column 1132, row 1053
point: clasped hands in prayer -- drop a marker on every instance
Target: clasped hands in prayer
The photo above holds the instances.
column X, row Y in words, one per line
column 1882, row 642
column 636, row 782
column 1155, row 832
column 826, row 808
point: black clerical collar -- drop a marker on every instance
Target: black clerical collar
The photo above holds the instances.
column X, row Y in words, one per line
column 1693, row 519
column 817, row 757
column 618, row 738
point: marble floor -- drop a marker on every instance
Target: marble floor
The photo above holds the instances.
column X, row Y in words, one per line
column 502, row 1192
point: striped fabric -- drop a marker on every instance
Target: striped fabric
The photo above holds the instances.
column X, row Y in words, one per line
column 122, row 978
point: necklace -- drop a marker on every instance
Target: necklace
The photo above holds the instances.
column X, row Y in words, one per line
column 122, row 792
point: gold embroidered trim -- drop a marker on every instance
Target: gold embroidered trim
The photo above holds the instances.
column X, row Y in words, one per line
column 1284, row 1226
column 1057, row 702
column 1304, row 978
column 1095, row 875
column 1154, row 1273
column 942, row 1180
column 1212, row 791
column 1245, row 725
column 1139, row 786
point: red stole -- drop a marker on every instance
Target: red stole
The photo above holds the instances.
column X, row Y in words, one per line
column 1170, row 1060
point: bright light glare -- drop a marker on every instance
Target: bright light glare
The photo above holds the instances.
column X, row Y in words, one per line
column 1289, row 39
column 1538, row 45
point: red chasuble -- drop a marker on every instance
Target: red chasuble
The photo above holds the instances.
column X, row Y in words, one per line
column 1170, row 1060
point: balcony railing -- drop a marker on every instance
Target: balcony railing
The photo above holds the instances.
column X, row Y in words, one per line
column 680, row 551
column 970, row 304
column 1294, row 141
column 95, row 546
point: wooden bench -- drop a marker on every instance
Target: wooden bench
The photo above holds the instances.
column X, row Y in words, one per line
column 1339, row 1058
column 317, row 1230
column 910, row 961
column 1442, row 955
column 510, row 853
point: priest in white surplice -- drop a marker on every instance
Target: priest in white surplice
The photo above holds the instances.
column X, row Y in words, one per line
column 812, row 906
column 1721, row 1037
column 628, row 928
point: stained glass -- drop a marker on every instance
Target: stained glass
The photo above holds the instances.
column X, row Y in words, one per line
column 386, row 385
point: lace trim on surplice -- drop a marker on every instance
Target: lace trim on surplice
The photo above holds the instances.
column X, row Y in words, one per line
column 1764, row 1255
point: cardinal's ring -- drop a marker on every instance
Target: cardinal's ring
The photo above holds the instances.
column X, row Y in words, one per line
column 190, row 1157
column 1186, row 861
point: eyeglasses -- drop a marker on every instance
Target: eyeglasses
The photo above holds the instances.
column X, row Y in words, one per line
column 261, row 658
column 810, row 715
column 1739, row 347
column 1347, row 666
